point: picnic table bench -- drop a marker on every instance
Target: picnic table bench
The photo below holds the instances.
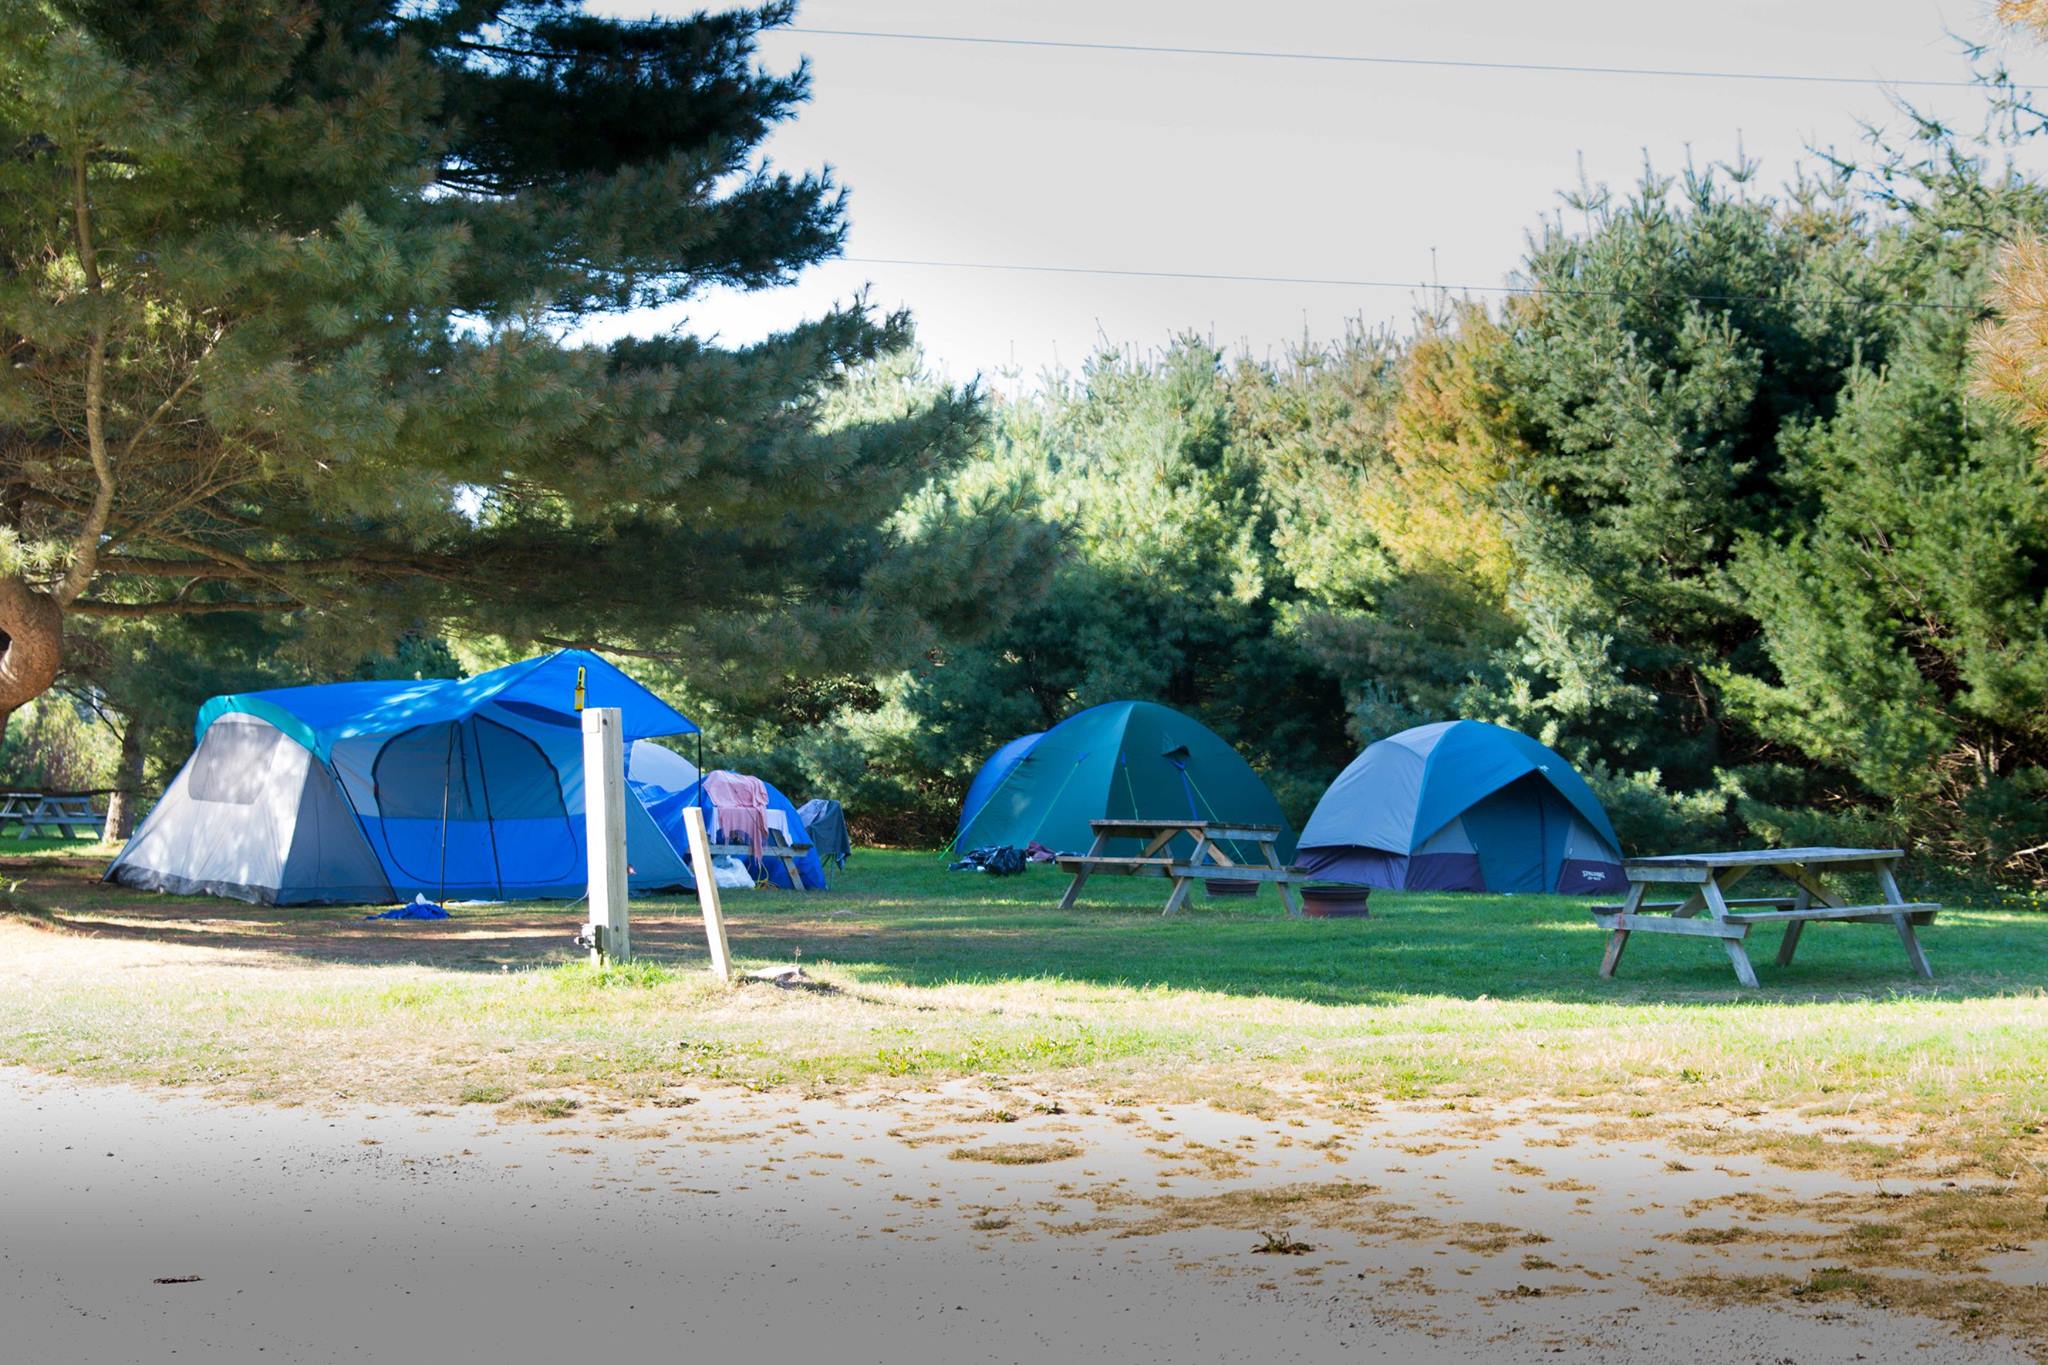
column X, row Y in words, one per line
column 1713, row 875
column 1206, row 861
column 58, row 812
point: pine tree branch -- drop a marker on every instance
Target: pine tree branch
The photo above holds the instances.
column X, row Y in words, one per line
column 88, row 606
column 206, row 486
column 171, row 398
column 85, row 545
column 605, row 647
column 234, row 569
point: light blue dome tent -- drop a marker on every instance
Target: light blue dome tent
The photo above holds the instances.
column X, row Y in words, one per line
column 1462, row 806
column 373, row 792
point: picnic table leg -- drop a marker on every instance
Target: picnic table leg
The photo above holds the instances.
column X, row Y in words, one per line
column 1288, row 899
column 1904, row 922
column 1738, row 956
column 783, row 852
column 1809, row 884
column 1184, row 886
column 1697, row 901
column 1611, row 959
column 1618, row 940
column 1789, row 945
column 1080, row 876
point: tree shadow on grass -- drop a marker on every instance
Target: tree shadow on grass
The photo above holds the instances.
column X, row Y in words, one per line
column 897, row 923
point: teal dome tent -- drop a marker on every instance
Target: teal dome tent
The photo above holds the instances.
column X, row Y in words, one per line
column 1121, row 761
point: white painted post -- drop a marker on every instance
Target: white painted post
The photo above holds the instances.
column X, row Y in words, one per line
column 707, row 893
column 604, row 823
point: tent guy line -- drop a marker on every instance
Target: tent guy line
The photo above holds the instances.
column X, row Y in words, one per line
column 1368, row 59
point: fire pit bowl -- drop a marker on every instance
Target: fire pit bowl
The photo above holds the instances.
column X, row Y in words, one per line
column 1336, row 902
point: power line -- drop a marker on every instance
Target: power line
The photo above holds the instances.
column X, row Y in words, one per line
column 1335, row 283
column 1360, row 59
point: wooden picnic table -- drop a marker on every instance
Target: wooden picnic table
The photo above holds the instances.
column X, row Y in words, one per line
column 60, row 812
column 1713, row 875
column 774, row 846
column 1207, row 861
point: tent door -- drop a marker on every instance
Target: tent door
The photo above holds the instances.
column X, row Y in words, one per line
column 1507, row 831
column 472, row 808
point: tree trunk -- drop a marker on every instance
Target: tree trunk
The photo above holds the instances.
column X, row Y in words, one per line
column 31, row 645
column 127, row 797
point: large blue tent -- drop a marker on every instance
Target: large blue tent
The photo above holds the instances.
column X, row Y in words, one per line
column 376, row 791
column 1462, row 806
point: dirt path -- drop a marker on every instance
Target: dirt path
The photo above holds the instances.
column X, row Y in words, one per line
column 959, row 1225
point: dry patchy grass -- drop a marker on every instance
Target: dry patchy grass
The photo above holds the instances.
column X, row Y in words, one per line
column 1018, row 1153
column 1474, row 1001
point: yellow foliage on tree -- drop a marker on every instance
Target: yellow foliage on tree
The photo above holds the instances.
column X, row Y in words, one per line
column 1438, row 514
column 2031, row 14
column 2012, row 349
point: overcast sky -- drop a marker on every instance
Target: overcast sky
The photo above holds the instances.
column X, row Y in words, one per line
column 1143, row 161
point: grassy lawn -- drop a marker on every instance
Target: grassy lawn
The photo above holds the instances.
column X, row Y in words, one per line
column 926, row 974
column 1488, row 1007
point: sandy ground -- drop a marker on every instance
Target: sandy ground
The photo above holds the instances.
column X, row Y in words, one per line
column 875, row 1228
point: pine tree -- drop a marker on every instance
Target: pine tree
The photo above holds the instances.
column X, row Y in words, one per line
column 289, row 292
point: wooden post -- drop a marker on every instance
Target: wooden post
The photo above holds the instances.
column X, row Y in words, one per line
column 706, row 878
column 604, row 824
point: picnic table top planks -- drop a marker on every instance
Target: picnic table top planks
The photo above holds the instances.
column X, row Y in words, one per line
column 1766, row 857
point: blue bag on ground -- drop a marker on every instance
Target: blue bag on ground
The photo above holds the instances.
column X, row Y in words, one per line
column 418, row 908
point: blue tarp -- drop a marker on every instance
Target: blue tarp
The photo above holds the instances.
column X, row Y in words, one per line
column 418, row 908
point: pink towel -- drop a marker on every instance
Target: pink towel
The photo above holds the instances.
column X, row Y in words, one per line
column 741, row 804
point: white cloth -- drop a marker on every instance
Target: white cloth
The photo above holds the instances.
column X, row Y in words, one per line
column 777, row 821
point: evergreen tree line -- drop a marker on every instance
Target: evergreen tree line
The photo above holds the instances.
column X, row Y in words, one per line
column 1712, row 508
column 290, row 300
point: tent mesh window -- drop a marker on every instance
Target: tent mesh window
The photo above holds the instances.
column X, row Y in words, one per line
column 233, row 764
column 446, row 793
